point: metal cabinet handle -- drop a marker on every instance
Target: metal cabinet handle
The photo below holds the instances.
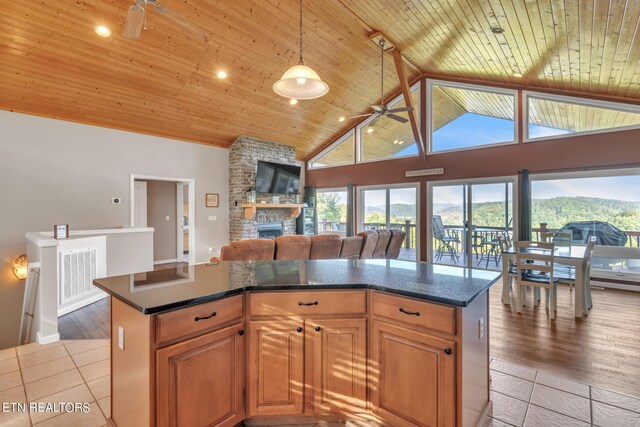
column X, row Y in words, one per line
column 448, row 351
column 299, row 329
column 410, row 313
column 307, row 303
column 205, row 318
column 317, row 328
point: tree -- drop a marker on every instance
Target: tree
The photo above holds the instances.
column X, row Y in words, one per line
column 330, row 208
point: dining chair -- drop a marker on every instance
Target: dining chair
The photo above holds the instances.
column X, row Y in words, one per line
column 505, row 244
column 561, row 238
column 534, row 268
column 569, row 276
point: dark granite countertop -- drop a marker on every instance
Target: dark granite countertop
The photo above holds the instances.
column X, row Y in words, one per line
column 168, row 289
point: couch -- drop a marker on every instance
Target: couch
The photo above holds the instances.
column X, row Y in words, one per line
column 367, row 244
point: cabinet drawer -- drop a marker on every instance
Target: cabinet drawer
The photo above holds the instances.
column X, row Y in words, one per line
column 290, row 303
column 415, row 312
column 183, row 322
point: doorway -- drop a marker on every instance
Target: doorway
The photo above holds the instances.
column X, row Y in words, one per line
column 469, row 219
column 167, row 205
column 392, row 206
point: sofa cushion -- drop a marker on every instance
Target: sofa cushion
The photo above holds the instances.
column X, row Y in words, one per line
column 293, row 247
column 369, row 240
column 380, row 251
column 351, row 247
column 248, row 250
column 397, row 238
column 325, row 246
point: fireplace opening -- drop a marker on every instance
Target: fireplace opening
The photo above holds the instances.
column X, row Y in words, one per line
column 269, row 230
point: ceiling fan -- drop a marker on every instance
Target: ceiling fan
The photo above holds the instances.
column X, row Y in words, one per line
column 136, row 19
column 383, row 109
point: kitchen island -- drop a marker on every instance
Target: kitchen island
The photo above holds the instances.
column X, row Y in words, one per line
column 379, row 342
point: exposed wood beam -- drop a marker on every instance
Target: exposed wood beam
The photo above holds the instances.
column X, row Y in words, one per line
column 406, row 92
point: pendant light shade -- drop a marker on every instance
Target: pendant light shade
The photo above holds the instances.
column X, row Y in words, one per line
column 300, row 81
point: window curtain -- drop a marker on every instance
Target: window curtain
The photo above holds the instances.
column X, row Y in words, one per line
column 524, row 217
column 350, row 229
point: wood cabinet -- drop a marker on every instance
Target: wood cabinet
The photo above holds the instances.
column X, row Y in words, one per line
column 276, row 368
column 414, row 377
column 337, row 358
column 200, row 382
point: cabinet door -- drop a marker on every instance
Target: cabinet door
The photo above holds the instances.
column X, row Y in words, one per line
column 200, row 382
column 276, row 363
column 337, row 351
column 414, row 377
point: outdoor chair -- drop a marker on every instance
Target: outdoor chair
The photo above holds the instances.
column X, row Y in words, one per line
column 445, row 241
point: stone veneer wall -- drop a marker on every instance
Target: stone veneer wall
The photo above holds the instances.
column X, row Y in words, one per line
column 244, row 154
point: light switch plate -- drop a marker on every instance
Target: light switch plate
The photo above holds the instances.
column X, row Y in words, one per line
column 121, row 337
column 166, row 217
column 481, row 328
column 213, row 218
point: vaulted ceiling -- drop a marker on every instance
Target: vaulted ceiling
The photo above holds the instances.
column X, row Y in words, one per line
column 53, row 64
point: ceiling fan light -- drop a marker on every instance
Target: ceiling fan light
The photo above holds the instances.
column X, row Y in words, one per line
column 300, row 82
column 133, row 24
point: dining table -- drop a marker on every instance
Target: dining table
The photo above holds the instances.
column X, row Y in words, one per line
column 565, row 255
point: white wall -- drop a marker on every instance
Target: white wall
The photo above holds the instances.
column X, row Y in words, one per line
column 53, row 171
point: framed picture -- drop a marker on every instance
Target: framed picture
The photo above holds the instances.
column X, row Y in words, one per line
column 212, row 200
column 61, row 231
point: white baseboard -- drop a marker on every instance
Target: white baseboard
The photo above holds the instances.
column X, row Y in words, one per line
column 86, row 301
column 48, row 339
column 165, row 261
column 611, row 285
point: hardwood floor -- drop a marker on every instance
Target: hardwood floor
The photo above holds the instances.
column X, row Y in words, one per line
column 602, row 349
column 90, row 322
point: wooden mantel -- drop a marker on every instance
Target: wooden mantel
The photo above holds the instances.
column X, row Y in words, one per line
column 250, row 208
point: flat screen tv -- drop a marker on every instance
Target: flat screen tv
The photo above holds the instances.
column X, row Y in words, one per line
column 277, row 178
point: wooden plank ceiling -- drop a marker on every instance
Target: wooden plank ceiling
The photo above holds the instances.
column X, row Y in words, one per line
column 53, row 64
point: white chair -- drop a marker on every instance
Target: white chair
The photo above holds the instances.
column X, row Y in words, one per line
column 505, row 244
column 570, row 275
column 560, row 238
column 534, row 268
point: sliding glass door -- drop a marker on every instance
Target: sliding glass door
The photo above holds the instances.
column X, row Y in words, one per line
column 332, row 207
column 393, row 206
column 469, row 219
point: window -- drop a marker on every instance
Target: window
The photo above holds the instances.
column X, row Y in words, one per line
column 465, row 116
column 554, row 116
column 603, row 204
column 385, row 138
column 393, row 206
column 339, row 153
column 332, row 211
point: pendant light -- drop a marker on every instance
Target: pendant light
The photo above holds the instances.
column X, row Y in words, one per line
column 300, row 81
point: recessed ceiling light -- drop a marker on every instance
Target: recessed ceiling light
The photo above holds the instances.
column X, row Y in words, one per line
column 103, row 31
column 395, row 142
column 401, row 142
column 497, row 30
column 369, row 129
column 342, row 119
column 293, row 101
column 221, row 74
column 517, row 75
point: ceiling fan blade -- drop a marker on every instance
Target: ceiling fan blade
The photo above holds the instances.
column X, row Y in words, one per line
column 400, row 110
column 133, row 24
column 397, row 118
column 377, row 108
column 361, row 115
column 181, row 22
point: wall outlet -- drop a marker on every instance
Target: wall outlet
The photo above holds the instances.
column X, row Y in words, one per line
column 121, row 337
column 210, row 250
column 481, row 328
column 116, row 200
column 166, row 218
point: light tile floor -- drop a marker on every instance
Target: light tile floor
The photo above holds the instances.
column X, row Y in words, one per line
column 78, row 371
column 525, row 397
column 65, row 371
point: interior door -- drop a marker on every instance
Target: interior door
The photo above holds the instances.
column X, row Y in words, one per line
column 182, row 215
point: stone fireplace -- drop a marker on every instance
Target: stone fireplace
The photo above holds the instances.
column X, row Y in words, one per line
column 244, row 154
